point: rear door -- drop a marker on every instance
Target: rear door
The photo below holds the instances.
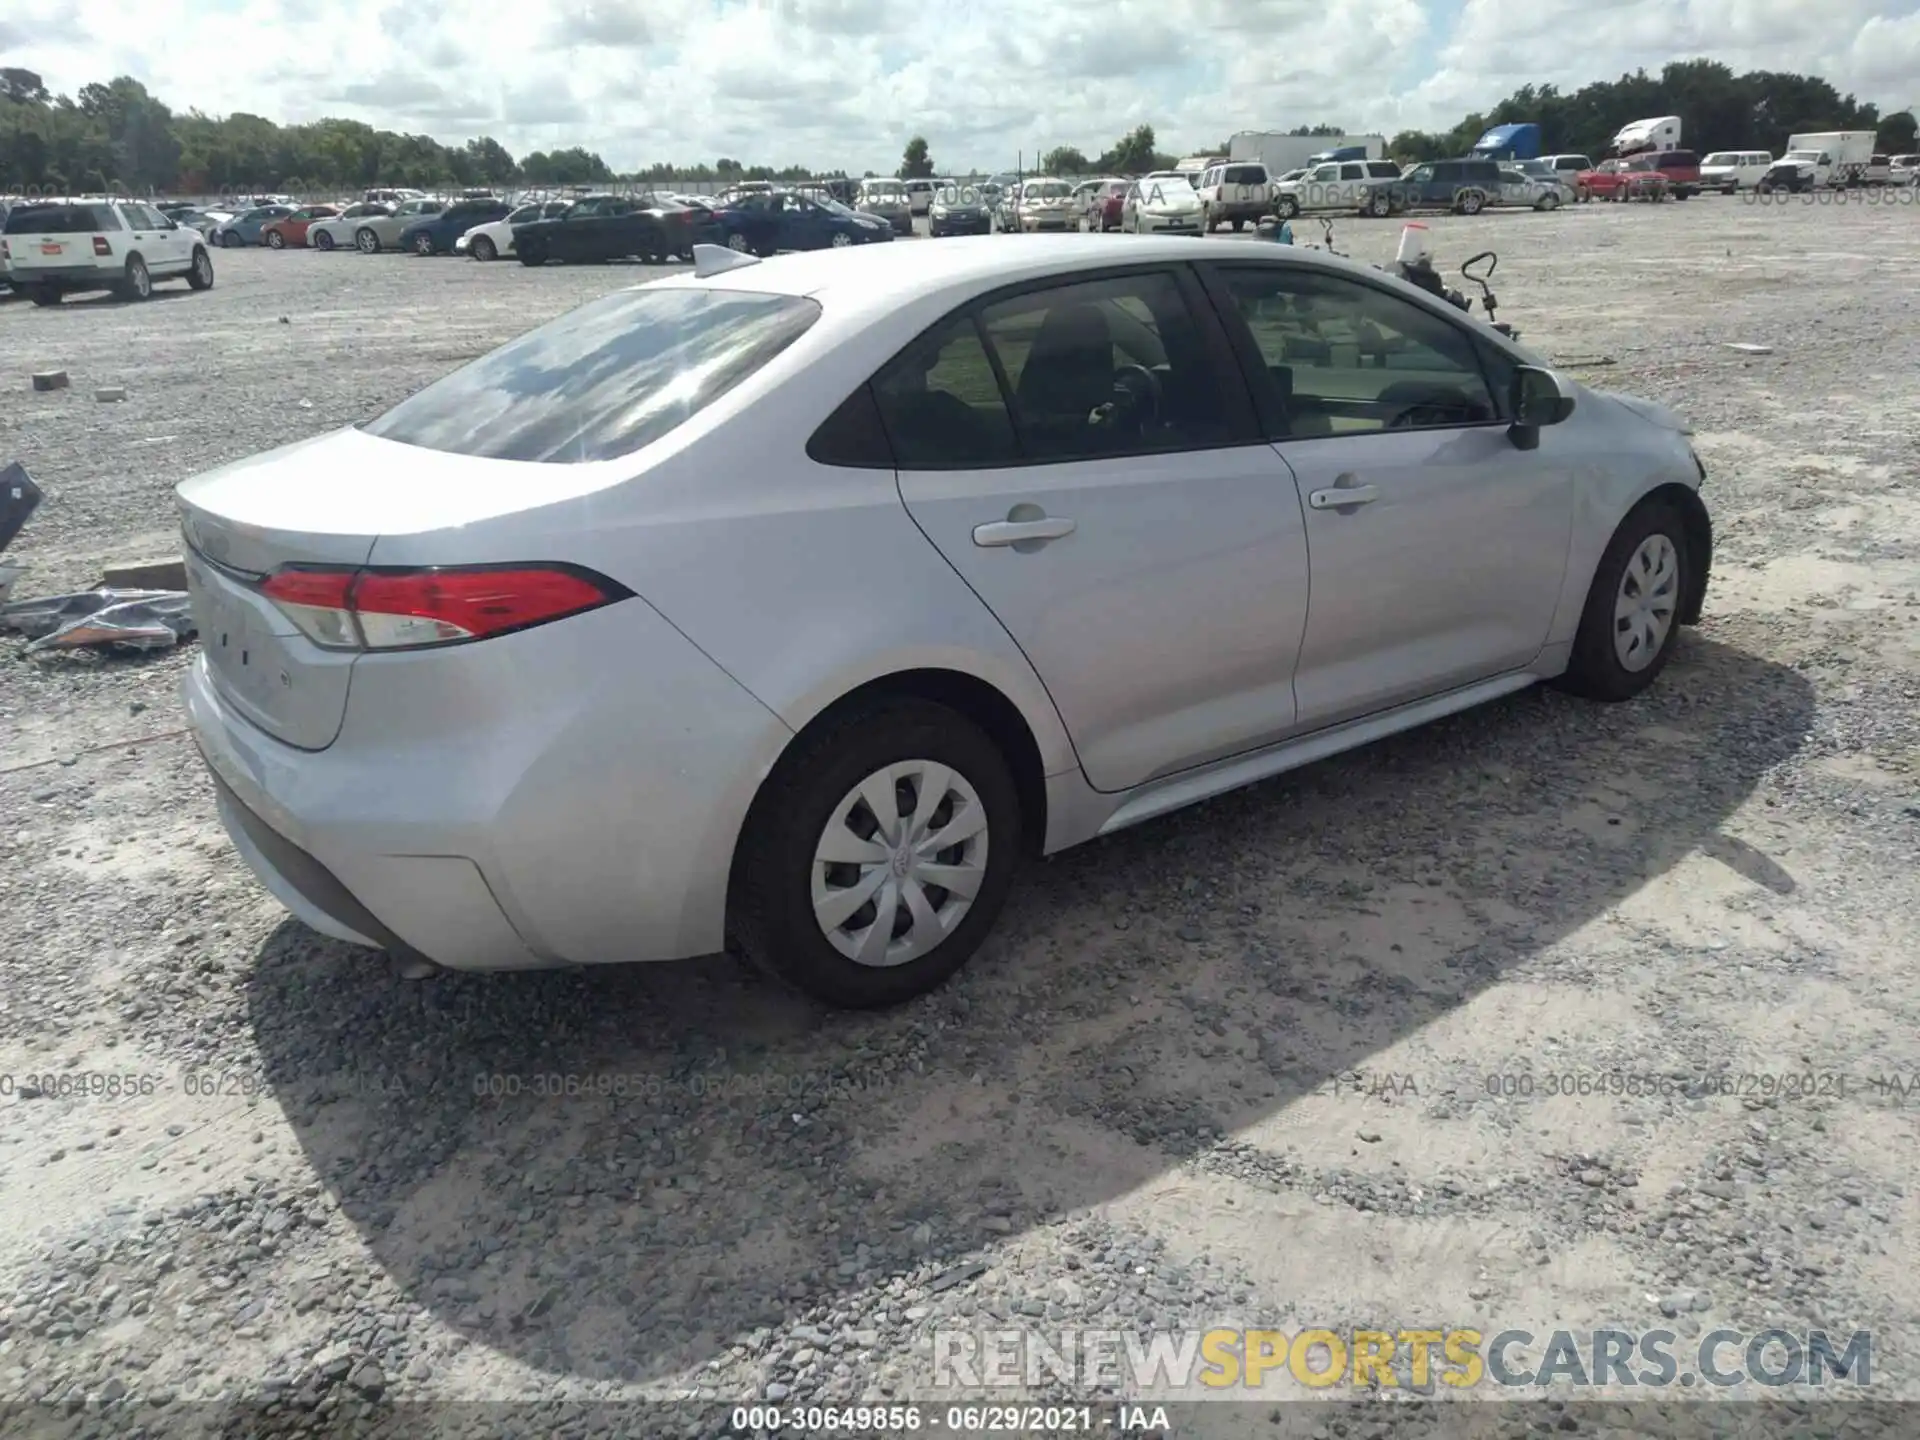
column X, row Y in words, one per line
column 1146, row 553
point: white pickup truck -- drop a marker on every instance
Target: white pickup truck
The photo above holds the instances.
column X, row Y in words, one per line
column 1819, row 159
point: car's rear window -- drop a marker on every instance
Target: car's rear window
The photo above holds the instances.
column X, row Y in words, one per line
column 1246, row 175
column 603, row 380
column 61, row 220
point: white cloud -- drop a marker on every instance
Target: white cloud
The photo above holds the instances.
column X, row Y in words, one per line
column 847, row 82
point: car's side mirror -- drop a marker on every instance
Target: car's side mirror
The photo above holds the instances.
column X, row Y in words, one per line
column 1536, row 400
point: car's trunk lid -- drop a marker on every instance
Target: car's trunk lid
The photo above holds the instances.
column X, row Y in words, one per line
column 323, row 501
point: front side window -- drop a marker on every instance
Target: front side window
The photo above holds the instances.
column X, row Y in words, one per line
column 602, row 381
column 1350, row 359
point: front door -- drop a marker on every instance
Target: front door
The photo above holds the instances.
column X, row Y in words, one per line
column 1438, row 548
column 1084, row 456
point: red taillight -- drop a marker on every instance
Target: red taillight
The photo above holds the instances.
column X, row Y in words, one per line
column 100, row 245
column 404, row 609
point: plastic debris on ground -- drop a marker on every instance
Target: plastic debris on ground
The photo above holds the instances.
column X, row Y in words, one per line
column 18, row 497
column 126, row 620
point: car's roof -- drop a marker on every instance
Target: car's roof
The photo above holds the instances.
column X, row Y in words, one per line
column 881, row 275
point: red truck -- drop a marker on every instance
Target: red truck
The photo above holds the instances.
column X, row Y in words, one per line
column 1634, row 179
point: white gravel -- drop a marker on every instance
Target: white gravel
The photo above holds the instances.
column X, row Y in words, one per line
column 1231, row 1067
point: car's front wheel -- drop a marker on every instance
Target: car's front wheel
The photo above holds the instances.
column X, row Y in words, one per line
column 366, row 241
column 878, row 855
column 276, row 241
column 482, row 249
column 231, row 241
column 841, row 239
column 322, row 239
column 1632, row 614
column 1286, row 207
column 423, row 244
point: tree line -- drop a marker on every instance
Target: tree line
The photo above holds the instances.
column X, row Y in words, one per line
column 119, row 134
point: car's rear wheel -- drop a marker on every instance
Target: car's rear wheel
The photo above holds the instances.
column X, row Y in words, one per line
column 200, row 272
column 739, row 242
column 137, row 284
column 878, row 855
column 322, row 239
column 1378, row 205
column 1632, row 614
column 423, row 244
column 482, row 249
column 1470, row 202
column 275, row 240
column 1239, row 223
column 366, row 241
column 1547, row 202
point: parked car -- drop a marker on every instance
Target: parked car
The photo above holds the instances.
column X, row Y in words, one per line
column 382, row 231
column 1569, row 168
column 1878, row 171
column 292, row 229
column 1044, row 204
column 887, row 199
column 205, row 221
column 494, row 238
column 1106, row 207
column 959, row 209
column 1369, row 187
column 248, row 227
column 338, row 232
column 919, row 195
column 935, row 468
column 1519, row 190
column 766, row 224
column 1903, row 169
column 1234, row 193
column 437, row 234
column 1544, row 172
column 1465, row 187
column 1162, row 203
column 616, row 227
column 1800, row 171
column 1682, row 169
column 391, row 196
column 52, row 250
column 1730, row 171
column 1620, row 178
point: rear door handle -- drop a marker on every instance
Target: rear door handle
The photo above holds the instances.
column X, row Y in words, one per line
column 1341, row 496
column 1012, row 532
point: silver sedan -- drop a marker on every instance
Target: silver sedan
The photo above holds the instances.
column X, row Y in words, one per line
column 792, row 603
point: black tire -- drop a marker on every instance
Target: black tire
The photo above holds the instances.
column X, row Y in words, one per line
column 1470, row 202
column 532, row 255
column 1239, row 224
column 1286, row 207
column 323, row 240
column 1378, row 205
column 231, row 241
column 1595, row 670
column 772, row 917
column 44, row 295
column 200, row 270
column 482, row 249
column 366, row 240
column 138, row 283
column 275, row 240
column 423, row 245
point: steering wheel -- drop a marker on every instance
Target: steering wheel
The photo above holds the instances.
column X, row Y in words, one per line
column 1425, row 415
column 1139, row 393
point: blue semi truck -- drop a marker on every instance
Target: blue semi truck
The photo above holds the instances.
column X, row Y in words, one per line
column 1508, row 142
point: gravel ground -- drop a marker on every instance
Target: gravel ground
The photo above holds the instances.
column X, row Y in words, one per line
column 1230, row 1067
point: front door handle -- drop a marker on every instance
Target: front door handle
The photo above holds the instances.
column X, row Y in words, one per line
column 1341, row 496
column 1015, row 532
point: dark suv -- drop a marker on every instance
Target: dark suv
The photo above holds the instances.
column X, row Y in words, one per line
column 1682, row 169
column 1463, row 185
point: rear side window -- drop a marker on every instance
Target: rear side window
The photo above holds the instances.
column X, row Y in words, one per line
column 1383, row 170
column 62, row 220
column 602, row 381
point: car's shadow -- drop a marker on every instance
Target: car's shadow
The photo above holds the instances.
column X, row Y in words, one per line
column 692, row 1153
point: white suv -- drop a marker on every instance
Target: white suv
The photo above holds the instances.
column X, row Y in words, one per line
column 1236, row 191
column 56, row 248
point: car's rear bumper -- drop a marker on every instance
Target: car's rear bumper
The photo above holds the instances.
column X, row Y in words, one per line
column 67, row 277
column 511, row 811
column 1240, row 209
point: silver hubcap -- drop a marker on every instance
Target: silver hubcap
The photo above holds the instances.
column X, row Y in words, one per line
column 900, row 862
column 1649, row 595
column 737, row 242
column 842, row 239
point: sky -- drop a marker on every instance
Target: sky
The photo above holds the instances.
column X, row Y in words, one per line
column 843, row 84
